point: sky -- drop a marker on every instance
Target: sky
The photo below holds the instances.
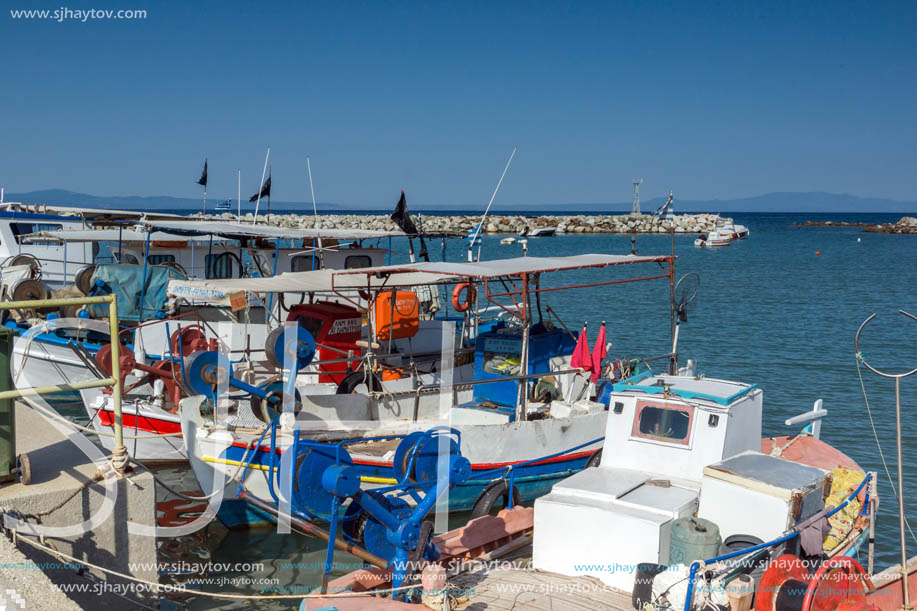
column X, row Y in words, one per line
column 711, row 100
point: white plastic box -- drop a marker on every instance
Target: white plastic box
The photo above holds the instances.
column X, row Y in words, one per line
column 761, row 495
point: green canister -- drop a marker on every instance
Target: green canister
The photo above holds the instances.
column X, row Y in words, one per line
column 693, row 539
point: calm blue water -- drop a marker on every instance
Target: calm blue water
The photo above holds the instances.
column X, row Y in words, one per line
column 770, row 311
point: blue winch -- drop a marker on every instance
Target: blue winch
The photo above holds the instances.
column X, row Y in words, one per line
column 387, row 522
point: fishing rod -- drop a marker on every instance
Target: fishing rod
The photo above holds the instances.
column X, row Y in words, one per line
column 480, row 226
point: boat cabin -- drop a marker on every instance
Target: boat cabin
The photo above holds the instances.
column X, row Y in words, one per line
column 662, row 431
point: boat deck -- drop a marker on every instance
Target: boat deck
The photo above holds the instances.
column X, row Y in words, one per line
column 510, row 584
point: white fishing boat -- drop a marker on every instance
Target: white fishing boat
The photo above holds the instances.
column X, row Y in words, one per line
column 538, row 232
column 195, row 249
column 501, row 425
column 689, row 505
column 714, row 239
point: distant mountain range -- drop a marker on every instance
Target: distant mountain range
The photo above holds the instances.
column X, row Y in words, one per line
column 770, row 202
column 62, row 197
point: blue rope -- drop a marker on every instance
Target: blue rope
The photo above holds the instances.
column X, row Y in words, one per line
column 696, row 564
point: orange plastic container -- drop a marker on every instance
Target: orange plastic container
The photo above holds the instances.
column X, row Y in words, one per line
column 397, row 315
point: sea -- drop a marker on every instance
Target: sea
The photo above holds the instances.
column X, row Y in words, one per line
column 779, row 309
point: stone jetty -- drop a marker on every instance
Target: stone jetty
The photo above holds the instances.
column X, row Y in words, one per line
column 501, row 223
column 907, row 224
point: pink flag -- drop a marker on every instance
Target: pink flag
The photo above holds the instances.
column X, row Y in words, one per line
column 598, row 354
column 581, row 358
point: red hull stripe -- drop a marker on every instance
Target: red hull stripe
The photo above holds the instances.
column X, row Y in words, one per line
column 147, row 425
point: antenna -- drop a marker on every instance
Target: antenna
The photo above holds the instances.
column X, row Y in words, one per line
column 261, row 185
column 635, row 209
column 480, row 226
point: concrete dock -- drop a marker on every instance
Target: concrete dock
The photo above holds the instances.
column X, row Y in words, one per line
column 62, row 473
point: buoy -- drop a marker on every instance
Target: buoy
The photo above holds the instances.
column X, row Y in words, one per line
column 817, row 252
column 859, row 240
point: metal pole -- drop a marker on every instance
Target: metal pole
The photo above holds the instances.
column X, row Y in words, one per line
column 119, row 454
column 524, row 357
column 873, row 491
column 55, row 388
column 901, row 518
column 907, row 604
column 673, row 366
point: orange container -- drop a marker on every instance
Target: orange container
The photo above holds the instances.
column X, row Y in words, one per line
column 397, row 315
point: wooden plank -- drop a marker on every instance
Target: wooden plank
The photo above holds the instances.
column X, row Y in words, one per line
column 512, row 584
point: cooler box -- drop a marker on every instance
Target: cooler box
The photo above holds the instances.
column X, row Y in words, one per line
column 761, row 495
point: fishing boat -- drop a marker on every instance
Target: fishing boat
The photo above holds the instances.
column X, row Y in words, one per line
column 684, row 477
column 224, row 206
column 538, row 232
column 714, row 239
column 503, row 425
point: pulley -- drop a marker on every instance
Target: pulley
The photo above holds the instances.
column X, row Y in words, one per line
column 208, row 373
column 289, row 342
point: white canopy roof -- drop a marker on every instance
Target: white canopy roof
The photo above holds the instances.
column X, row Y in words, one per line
column 89, row 213
column 508, row 267
column 389, row 276
column 108, row 235
column 267, row 231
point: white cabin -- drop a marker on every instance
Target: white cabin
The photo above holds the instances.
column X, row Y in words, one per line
column 60, row 260
column 662, row 431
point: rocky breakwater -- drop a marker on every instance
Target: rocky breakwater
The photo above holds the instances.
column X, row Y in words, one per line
column 907, row 224
column 502, row 223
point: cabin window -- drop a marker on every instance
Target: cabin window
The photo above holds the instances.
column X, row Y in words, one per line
column 219, row 266
column 357, row 262
column 21, row 229
column 303, row 263
column 664, row 422
column 160, row 259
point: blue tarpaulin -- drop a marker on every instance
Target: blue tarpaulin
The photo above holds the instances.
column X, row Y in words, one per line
column 127, row 282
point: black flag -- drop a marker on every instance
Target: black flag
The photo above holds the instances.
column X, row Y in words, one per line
column 203, row 179
column 402, row 218
column 404, row 222
column 264, row 192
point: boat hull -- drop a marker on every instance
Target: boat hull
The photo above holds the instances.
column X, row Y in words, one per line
column 215, row 455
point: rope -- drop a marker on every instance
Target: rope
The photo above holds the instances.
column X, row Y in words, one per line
column 242, row 463
column 878, row 444
column 176, row 588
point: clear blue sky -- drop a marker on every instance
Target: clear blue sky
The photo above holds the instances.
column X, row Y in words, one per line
column 717, row 100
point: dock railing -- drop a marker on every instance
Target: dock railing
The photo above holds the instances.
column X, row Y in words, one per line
column 119, row 454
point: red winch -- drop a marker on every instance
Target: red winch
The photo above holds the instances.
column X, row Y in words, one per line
column 839, row 584
column 183, row 341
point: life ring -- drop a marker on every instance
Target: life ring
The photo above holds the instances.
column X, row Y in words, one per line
column 457, row 304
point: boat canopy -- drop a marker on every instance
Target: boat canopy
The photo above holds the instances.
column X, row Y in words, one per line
column 87, row 213
column 407, row 275
column 247, row 230
column 105, row 235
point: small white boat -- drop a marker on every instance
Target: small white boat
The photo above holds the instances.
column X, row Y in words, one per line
column 741, row 231
column 509, row 240
column 538, row 232
column 717, row 237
